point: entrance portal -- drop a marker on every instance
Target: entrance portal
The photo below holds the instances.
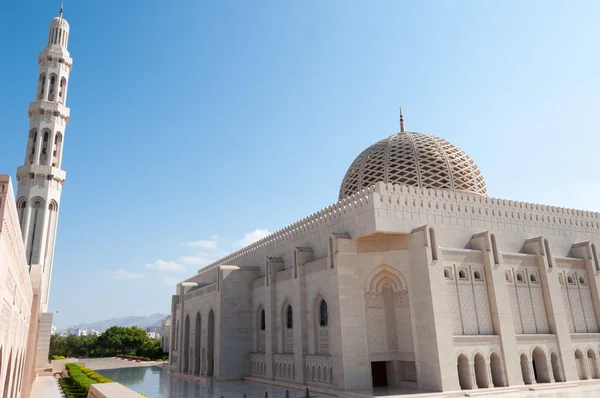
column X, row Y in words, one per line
column 379, row 374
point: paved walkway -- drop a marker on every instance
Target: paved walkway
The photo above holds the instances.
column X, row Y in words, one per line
column 46, row 387
column 113, row 363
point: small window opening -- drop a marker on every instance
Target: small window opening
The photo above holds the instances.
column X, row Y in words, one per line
column 582, row 280
column 290, row 319
column 462, row 274
column 477, row 275
column 495, row 250
column 447, row 274
column 323, row 316
column 262, row 320
column 570, row 280
column 434, row 254
column 548, row 254
column 533, row 278
column 595, row 255
column 519, row 277
column 507, row 276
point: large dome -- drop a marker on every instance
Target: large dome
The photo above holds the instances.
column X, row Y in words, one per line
column 416, row 159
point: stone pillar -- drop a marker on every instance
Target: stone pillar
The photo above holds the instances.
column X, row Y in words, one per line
column 348, row 332
column 431, row 321
column 502, row 316
column 273, row 265
column 43, row 348
column 473, row 376
column 553, row 300
column 489, row 373
column 300, row 312
column 550, row 370
column 531, row 372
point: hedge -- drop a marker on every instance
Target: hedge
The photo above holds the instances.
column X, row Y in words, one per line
column 83, row 377
column 57, row 357
column 145, row 359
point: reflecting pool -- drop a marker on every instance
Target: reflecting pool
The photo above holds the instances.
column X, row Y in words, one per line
column 156, row 382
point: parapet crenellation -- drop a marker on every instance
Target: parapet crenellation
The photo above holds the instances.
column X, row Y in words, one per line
column 343, row 207
column 424, row 198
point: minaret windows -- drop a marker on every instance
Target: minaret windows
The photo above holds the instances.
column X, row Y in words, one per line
column 44, row 153
column 21, row 210
column 52, row 88
column 42, row 86
column 61, row 93
column 57, row 150
column 36, row 222
column 31, row 146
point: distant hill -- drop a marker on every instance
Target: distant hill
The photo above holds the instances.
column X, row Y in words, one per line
column 153, row 320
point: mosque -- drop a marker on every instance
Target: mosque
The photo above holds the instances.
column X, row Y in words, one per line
column 414, row 278
column 28, row 225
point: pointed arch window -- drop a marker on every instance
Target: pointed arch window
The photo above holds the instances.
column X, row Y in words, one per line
column 289, row 322
column 42, row 88
column 263, row 322
column 323, row 316
column 61, row 93
column 52, row 88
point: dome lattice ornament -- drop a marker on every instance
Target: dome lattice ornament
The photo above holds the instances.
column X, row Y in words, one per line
column 416, row 159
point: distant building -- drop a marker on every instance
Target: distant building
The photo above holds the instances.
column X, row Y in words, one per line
column 94, row 332
column 153, row 335
column 53, row 330
column 165, row 332
column 153, row 329
column 70, row 331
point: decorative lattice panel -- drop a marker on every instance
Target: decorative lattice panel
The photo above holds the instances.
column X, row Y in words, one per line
column 414, row 159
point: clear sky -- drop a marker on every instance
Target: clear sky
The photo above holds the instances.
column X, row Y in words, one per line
column 199, row 125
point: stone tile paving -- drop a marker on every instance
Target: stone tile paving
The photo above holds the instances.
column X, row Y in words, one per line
column 46, row 387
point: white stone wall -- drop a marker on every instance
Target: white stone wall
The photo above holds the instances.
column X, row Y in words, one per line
column 466, row 287
column 414, row 278
column 16, row 293
column 577, row 298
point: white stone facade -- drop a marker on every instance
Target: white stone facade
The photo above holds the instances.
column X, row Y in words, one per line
column 165, row 334
column 429, row 288
column 17, row 295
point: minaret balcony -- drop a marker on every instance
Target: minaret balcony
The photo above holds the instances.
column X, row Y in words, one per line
column 49, row 107
column 28, row 170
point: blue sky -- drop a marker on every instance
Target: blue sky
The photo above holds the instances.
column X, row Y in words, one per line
column 197, row 126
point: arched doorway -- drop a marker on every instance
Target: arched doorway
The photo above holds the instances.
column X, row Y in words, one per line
column 581, row 365
column 389, row 324
column 540, row 366
column 186, row 344
column 593, row 364
column 525, row 371
column 556, row 367
column 464, row 372
column 481, row 376
column 496, row 369
column 211, row 343
column 7, row 376
column 197, row 336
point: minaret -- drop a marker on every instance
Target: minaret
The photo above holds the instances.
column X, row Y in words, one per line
column 40, row 179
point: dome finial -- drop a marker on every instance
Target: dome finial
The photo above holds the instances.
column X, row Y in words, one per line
column 402, row 130
column 62, row 6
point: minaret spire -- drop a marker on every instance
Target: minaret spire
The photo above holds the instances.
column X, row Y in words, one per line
column 402, row 130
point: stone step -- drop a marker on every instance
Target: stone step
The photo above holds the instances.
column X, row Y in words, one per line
column 551, row 386
column 484, row 392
